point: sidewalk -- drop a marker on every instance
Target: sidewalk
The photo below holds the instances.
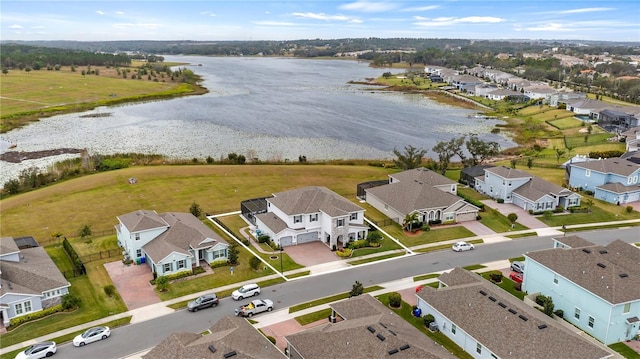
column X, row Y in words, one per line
column 160, row 309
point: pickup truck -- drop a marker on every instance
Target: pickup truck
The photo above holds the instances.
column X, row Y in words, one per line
column 254, row 307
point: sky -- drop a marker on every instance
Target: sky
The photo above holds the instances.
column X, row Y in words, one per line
column 108, row 20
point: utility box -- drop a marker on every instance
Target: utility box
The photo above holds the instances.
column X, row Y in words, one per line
column 433, row 326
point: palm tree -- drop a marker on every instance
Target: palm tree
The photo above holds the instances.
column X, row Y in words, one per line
column 409, row 219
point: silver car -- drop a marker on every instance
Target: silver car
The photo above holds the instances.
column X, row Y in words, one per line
column 517, row 266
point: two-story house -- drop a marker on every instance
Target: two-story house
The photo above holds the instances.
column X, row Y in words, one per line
column 488, row 322
column 424, row 192
column 614, row 180
column 311, row 214
column 169, row 242
column 29, row 281
column 524, row 190
column 597, row 287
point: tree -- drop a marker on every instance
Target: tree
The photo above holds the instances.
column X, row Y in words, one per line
column 374, row 237
column 409, row 220
column 5, row 70
column 395, row 300
column 445, row 151
column 254, row 263
column 530, row 161
column 162, row 283
column 514, row 163
column 85, row 231
column 559, row 153
column 195, row 210
column 232, row 256
column 356, row 289
column 589, row 204
column 480, row 150
column 409, row 159
column 569, row 149
column 512, row 217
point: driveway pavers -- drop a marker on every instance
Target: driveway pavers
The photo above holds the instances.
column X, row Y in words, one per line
column 133, row 284
column 524, row 217
column 310, row 254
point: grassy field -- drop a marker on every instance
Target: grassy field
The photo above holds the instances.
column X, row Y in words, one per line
column 566, row 123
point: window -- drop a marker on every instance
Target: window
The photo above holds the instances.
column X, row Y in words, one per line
column 353, row 217
column 449, row 217
column 627, row 308
column 555, row 279
column 576, row 314
column 167, row 267
column 182, row 264
column 313, row 217
column 587, row 173
column 19, row 309
column 386, row 206
column 629, row 180
column 220, row 253
column 27, row 307
column 297, row 219
column 138, row 253
column 592, row 321
column 490, row 189
column 453, row 329
column 340, row 222
column 137, row 236
column 479, row 348
column 509, row 185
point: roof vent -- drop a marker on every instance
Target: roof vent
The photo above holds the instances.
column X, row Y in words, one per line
column 586, row 250
column 393, row 351
column 502, row 304
column 512, row 311
column 381, row 337
column 384, row 326
column 523, row 317
column 392, row 332
column 483, row 292
column 623, row 275
column 603, row 251
column 602, row 265
column 542, row 326
column 212, row 348
column 230, row 354
column 492, row 299
column 405, row 347
column 371, row 329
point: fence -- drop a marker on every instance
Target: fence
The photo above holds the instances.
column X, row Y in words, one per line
column 117, row 252
column 50, row 241
column 383, row 223
column 72, row 273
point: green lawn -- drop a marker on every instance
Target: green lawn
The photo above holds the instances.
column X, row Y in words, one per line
column 377, row 258
column 60, row 258
column 330, row 299
column 625, row 351
column 426, row 276
column 313, row 317
column 436, row 234
column 498, row 222
column 566, row 123
column 506, row 284
column 600, row 212
column 386, row 245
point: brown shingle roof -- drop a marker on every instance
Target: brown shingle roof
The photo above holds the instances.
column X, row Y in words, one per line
column 505, row 334
column 227, row 335
column 33, row 274
column 609, row 165
column 584, row 267
column 141, row 220
column 312, row 200
column 574, row 241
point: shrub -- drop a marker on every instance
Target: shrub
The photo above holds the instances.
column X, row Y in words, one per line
column 198, row 270
column 558, row 209
column 162, row 283
column 495, row 276
column 70, row 301
column 428, row 319
column 512, row 217
column 540, row 299
column 356, row 289
column 264, row 238
column 357, row 244
column 218, row 263
column 547, row 214
column 344, row 253
column 426, row 228
column 245, row 242
column 374, row 237
column 629, row 209
column 35, row 315
column 530, row 211
column 254, row 263
column 559, row 313
column 500, row 200
column 73, row 255
column 271, row 339
column 109, row 290
column 588, row 192
column 395, row 300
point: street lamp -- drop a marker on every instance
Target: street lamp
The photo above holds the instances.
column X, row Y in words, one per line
column 564, row 229
column 281, row 251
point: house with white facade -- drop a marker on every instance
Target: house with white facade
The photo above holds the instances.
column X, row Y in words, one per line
column 488, row 322
column 424, row 192
column 311, row 214
column 614, row 180
column 597, row 287
column 524, row 190
column 170, row 242
column 632, row 139
column 29, row 281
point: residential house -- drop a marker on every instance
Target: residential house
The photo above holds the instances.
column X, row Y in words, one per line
column 424, row 192
column 169, row 242
column 586, row 106
column 597, row 287
column 468, row 174
column 229, row 337
column 614, row 180
column 483, row 89
column 543, row 92
column 488, row 322
column 29, row 281
column 524, row 190
column 462, row 81
column 311, row 214
column 616, row 121
column 570, row 242
column 632, row 139
column 362, row 327
column 507, row 95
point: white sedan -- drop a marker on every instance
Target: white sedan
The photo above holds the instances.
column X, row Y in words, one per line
column 38, row 350
column 462, row 246
column 91, row 335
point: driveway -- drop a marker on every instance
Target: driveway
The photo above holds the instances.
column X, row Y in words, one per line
column 524, row 218
column 288, row 327
column 310, row 254
column 133, row 284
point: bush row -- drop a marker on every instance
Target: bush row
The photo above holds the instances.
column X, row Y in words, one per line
column 66, row 245
column 14, row 322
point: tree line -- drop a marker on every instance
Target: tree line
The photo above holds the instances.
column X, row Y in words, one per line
column 15, row 56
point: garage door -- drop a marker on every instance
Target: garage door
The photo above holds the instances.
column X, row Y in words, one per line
column 463, row 217
column 286, row 241
column 307, row 237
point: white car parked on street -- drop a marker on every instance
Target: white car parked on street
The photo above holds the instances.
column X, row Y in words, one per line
column 91, row 335
column 462, row 246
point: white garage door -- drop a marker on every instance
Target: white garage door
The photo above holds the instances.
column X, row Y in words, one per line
column 307, row 237
column 286, row 241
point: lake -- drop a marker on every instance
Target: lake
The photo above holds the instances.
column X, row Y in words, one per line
column 265, row 108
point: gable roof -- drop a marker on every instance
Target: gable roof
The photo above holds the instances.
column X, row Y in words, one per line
column 423, row 175
column 619, row 188
column 313, row 199
column 507, row 172
column 142, row 220
column 185, row 232
column 475, row 171
column 536, row 188
column 272, row 221
column 476, row 307
column 229, row 334
column 597, row 269
column 614, row 165
column 357, row 335
column 34, row 274
column 8, row 246
column 573, row 241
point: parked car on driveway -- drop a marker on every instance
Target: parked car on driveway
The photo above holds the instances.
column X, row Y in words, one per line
column 517, row 266
column 247, row 290
column 38, row 350
column 92, row 335
column 203, row 301
column 516, row 277
column 462, row 246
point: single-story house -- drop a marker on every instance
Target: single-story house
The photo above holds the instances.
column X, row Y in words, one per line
column 29, row 281
column 424, row 192
column 169, row 242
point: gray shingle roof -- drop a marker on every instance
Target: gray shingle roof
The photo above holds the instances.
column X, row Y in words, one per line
column 503, row 333
column 33, row 274
column 423, row 175
column 581, row 266
column 272, row 221
column 227, row 335
column 574, row 241
column 8, row 245
column 609, row 165
column 616, row 187
column 536, row 188
column 352, row 338
column 185, row 232
column 312, row 200
column 142, row 220
column 507, row 172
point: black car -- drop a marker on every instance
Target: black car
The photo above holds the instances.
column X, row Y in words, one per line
column 203, row 301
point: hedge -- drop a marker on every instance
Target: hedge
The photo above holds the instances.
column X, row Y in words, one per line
column 218, row 263
column 36, row 315
column 73, row 255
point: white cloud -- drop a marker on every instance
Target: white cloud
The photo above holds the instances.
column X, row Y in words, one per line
column 119, row 12
column 15, row 27
column 420, row 8
column 321, row 16
column 447, row 21
column 587, row 9
column 356, row 21
column 549, row 27
column 99, row 12
column 208, row 13
column 366, row 6
column 274, row 23
column 141, row 26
